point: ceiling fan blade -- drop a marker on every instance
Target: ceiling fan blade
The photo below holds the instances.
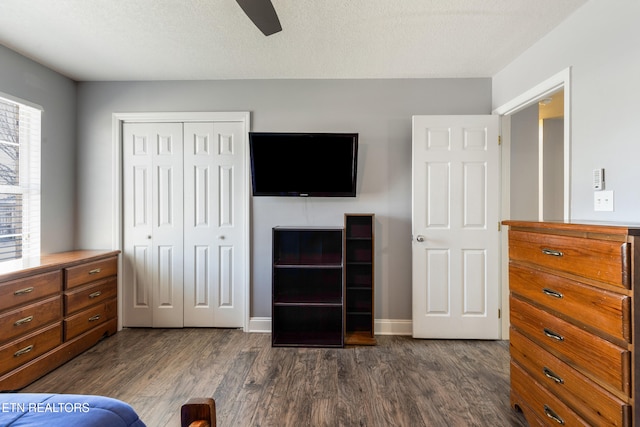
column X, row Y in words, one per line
column 263, row 15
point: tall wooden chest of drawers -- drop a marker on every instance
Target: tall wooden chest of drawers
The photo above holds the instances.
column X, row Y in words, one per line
column 573, row 330
column 54, row 310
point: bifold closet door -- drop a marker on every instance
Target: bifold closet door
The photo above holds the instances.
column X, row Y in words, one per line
column 153, row 224
column 183, row 214
column 213, row 229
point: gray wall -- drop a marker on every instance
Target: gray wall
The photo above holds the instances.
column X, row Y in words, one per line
column 379, row 110
column 600, row 44
column 524, row 164
column 27, row 80
column 553, row 174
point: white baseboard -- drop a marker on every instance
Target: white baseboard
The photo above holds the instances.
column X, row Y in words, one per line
column 381, row 326
column 260, row 324
column 392, row 327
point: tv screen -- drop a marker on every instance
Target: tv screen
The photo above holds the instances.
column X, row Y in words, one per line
column 303, row 164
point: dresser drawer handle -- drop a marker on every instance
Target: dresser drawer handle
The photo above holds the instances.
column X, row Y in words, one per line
column 23, row 321
column 94, row 318
column 551, row 293
column 24, row 291
column 551, row 414
column 95, row 271
column 551, row 252
column 551, row 334
column 23, row 351
column 95, row 294
column 552, row 375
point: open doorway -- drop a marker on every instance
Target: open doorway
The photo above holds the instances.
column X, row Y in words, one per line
column 537, row 160
column 538, row 170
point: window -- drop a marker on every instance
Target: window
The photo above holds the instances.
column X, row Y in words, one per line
column 19, row 181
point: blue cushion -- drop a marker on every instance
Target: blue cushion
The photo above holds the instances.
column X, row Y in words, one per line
column 68, row 410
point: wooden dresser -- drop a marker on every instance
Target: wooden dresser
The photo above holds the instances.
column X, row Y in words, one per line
column 53, row 310
column 572, row 295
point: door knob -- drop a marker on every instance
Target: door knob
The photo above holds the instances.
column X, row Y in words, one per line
column 420, row 238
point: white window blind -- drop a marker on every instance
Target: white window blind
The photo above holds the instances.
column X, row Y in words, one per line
column 19, row 181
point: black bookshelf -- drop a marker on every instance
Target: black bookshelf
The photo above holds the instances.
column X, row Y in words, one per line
column 307, row 287
column 359, row 279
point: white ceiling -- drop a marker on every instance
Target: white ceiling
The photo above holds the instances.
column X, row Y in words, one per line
column 89, row 40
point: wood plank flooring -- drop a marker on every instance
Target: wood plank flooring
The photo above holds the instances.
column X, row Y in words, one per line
column 399, row 382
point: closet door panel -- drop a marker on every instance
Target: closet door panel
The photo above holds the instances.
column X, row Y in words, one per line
column 153, row 217
column 230, row 139
column 213, row 165
column 199, row 207
column 167, row 229
column 137, row 222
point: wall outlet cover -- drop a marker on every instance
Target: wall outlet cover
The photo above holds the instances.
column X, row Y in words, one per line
column 603, row 201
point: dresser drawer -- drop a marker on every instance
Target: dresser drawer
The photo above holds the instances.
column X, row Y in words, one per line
column 88, row 319
column 30, row 317
column 585, row 351
column 544, row 404
column 85, row 273
column 23, row 291
column 29, row 347
column 80, row 298
column 601, row 260
column 606, row 311
column 593, row 403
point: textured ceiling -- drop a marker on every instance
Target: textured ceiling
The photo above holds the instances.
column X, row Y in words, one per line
column 89, row 40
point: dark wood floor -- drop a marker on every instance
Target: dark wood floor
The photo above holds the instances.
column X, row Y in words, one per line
column 399, row 382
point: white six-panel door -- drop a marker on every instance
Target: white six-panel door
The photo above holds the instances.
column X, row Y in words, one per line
column 183, row 251
column 455, row 217
column 213, row 224
column 153, row 224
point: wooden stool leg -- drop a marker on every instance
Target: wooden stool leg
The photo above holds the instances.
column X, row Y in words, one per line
column 198, row 412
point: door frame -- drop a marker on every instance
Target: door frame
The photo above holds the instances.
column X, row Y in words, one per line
column 561, row 80
column 117, row 120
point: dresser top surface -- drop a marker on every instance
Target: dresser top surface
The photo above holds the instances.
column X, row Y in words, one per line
column 47, row 262
column 577, row 225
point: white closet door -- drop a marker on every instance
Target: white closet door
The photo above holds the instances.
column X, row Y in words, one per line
column 214, row 231
column 153, row 224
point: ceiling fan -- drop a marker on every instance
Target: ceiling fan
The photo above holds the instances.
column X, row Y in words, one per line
column 263, row 15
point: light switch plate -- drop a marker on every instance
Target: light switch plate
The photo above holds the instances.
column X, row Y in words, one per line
column 603, row 201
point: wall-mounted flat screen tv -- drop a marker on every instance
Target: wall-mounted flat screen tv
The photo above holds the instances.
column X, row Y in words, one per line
column 303, row 164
